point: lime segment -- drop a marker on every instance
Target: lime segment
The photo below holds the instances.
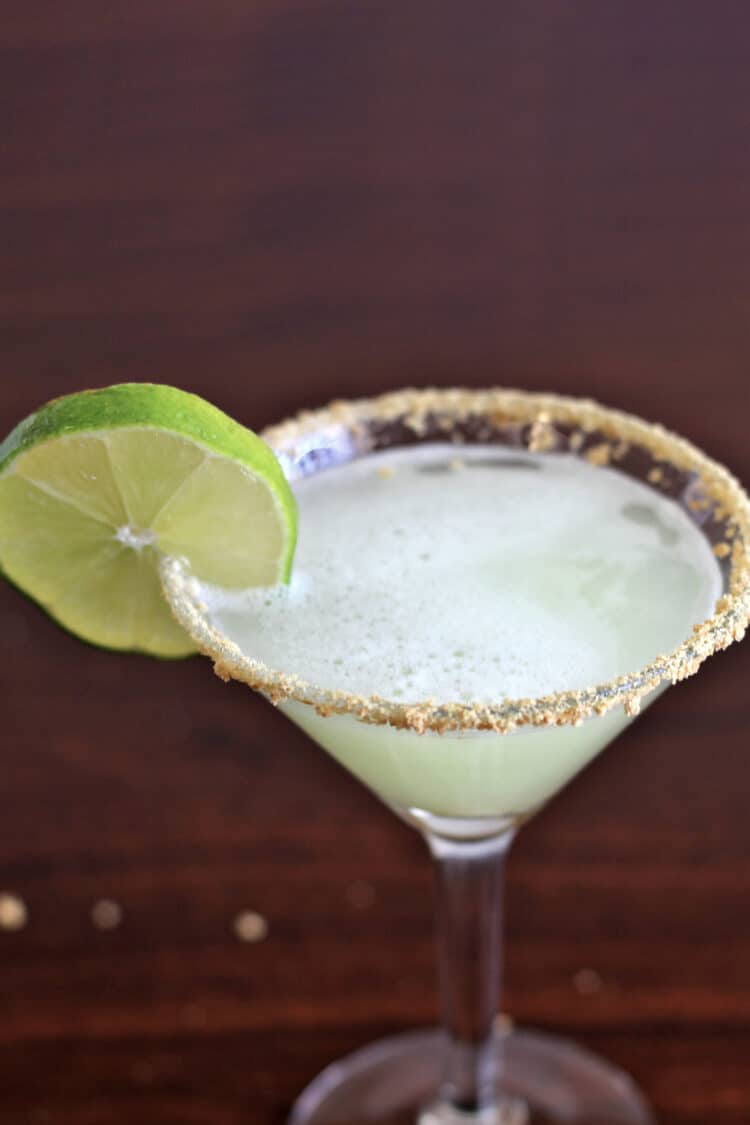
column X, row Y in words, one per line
column 95, row 488
column 76, row 470
column 194, row 523
column 149, row 473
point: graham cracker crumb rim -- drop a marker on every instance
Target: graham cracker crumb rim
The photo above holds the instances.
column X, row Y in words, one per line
column 416, row 410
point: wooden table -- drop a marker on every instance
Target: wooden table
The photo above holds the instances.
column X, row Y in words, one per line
column 277, row 203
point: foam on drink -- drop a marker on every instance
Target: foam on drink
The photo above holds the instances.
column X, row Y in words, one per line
column 502, row 574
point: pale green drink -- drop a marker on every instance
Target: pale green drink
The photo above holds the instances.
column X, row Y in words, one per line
column 473, row 574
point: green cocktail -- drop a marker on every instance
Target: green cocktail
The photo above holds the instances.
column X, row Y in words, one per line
column 488, row 587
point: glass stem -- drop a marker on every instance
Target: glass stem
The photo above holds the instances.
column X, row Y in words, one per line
column 469, row 877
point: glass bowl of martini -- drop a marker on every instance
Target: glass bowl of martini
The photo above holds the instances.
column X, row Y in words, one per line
column 488, row 587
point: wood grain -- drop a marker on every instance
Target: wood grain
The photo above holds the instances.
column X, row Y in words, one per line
column 274, row 204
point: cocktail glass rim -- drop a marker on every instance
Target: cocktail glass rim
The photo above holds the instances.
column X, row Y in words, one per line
column 537, row 423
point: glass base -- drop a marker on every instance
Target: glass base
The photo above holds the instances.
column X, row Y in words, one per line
column 546, row 1080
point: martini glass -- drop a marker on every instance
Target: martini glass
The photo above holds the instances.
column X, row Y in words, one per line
column 467, row 774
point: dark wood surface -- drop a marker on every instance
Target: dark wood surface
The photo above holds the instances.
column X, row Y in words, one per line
column 275, row 203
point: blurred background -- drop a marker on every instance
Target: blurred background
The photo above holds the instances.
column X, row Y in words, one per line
column 277, row 203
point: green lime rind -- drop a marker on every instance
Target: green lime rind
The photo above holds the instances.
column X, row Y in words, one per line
column 63, row 547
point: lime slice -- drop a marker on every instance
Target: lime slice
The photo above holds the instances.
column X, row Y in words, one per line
column 96, row 487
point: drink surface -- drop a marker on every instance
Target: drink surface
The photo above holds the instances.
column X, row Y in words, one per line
column 476, row 573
